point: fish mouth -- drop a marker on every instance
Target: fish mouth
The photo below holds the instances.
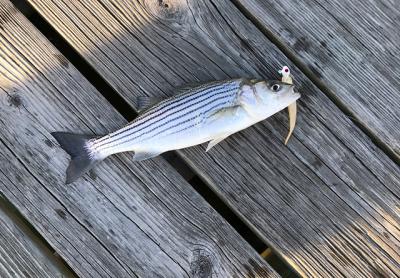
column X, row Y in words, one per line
column 294, row 92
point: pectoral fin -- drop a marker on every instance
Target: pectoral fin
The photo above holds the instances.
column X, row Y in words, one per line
column 292, row 109
column 224, row 112
column 215, row 141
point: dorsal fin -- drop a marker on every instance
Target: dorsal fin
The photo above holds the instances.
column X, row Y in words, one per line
column 187, row 87
column 145, row 102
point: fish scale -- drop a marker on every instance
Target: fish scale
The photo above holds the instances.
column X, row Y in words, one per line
column 173, row 112
column 186, row 96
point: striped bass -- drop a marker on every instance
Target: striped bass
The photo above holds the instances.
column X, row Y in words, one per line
column 207, row 113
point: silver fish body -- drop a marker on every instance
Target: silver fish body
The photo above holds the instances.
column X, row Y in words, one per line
column 209, row 112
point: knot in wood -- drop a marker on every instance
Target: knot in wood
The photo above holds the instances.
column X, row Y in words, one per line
column 15, row 100
column 170, row 10
column 202, row 263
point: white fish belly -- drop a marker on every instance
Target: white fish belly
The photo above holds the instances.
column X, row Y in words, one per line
column 175, row 141
column 176, row 123
column 209, row 130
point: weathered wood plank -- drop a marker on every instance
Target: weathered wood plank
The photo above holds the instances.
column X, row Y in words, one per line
column 22, row 254
column 352, row 46
column 328, row 203
column 122, row 220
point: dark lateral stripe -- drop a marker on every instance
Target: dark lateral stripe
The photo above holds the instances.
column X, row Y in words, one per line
column 147, row 120
column 188, row 120
column 110, row 145
column 189, row 95
column 153, row 114
column 174, row 113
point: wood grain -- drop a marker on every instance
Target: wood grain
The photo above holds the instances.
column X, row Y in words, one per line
column 124, row 219
column 352, row 47
column 22, row 254
column 327, row 203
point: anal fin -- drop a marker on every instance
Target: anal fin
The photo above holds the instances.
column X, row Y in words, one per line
column 139, row 156
column 215, row 141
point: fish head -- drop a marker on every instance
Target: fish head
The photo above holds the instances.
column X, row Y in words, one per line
column 274, row 92
column 265, row 98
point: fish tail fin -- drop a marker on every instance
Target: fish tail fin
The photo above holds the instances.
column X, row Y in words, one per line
column 82, row 157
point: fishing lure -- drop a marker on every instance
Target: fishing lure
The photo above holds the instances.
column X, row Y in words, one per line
column 292, row 108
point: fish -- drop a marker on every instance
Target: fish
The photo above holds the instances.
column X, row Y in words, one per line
column 206, row 113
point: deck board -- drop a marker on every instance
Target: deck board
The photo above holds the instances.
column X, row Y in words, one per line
column 124, row 219
column 327, row 203
column 22, row 254
column 352, row 47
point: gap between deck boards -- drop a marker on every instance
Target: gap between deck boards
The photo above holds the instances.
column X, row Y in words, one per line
column 316, row 81
column 35, row 239
column 126, row 110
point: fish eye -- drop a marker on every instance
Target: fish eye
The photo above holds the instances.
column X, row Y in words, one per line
column 275, row 87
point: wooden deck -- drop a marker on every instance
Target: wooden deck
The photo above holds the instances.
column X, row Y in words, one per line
column 326, row 205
